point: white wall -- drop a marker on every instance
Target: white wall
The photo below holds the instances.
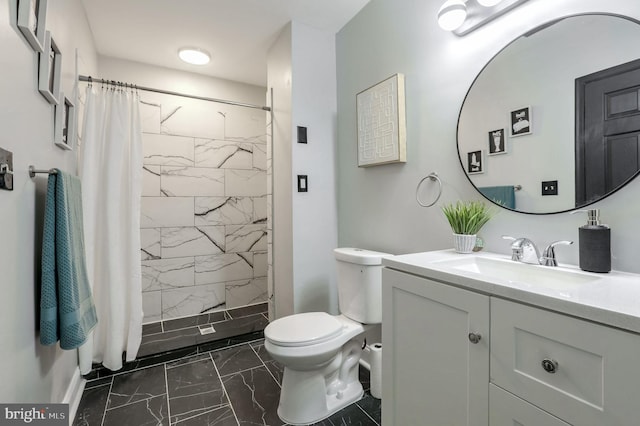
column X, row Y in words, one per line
column 314, row 212
column 540, row 71
column 304, row 224
column 279, row 82
column 376, row 206
column 31, row 372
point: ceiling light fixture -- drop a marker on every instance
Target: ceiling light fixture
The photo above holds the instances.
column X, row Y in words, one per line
column 452, row 14
column 463, row 16
column 194, row 56
column 488, row 3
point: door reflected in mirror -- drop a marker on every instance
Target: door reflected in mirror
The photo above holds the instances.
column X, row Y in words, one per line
column 560, row 103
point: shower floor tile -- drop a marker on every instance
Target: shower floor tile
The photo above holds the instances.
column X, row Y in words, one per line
column 232, row 385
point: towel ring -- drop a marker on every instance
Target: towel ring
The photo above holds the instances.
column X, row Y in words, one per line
column 431, row 176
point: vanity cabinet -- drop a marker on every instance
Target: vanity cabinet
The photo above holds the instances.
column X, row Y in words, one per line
column 454, row 356
column 431, row 373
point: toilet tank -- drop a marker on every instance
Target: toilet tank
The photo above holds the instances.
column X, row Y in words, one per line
column 359, row 278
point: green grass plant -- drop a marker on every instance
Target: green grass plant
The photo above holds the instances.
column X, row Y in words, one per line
column 467, row 217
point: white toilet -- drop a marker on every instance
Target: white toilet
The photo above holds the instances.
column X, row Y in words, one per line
column 321, row 352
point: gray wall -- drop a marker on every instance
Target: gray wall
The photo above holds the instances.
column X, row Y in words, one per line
column 376, row 206
column 31, row 372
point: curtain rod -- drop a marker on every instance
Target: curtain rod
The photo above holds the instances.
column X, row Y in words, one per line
column 168, row 92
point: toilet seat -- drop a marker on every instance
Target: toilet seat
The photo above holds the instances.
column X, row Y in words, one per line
column 305, row 329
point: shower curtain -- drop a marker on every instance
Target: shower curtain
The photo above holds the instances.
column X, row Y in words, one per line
column 111, row 174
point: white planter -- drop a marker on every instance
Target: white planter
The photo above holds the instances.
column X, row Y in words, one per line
column 463, row 243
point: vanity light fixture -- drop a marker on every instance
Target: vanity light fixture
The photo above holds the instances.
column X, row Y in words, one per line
column 194, row 56
column 452, row 14
column 463, row 16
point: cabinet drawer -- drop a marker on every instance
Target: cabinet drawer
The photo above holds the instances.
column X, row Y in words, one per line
column 592, row 374
column 506, row 409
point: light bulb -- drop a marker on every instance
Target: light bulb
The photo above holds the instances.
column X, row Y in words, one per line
column 488, row 3
column 194, row 56
column 452, row 14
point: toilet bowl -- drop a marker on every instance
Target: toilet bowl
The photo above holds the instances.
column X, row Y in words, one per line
column 321, row 352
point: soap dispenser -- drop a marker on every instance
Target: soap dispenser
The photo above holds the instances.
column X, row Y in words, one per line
column 594, row 241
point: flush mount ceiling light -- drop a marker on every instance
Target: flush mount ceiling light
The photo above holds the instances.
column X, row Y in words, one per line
column 452, row 14
column 488, row 3
column 463, row 16
column 194, row 56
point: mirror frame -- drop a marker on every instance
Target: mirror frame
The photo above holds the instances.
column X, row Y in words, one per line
column 528, row 33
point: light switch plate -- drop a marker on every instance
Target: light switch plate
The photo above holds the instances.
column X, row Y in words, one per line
column 303, row 183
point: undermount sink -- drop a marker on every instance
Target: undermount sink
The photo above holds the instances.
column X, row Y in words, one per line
column 516, row 272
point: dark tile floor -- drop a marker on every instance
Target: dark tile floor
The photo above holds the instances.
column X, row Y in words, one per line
column 235, row 385
column 173, row 339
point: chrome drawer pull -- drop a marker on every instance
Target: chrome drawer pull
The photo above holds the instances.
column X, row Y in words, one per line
column 550, row 365
column 474, row 338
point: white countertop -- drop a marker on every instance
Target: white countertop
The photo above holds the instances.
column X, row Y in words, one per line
column 612, row 298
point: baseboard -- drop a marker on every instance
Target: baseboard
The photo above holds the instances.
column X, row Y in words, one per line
column 74, row 394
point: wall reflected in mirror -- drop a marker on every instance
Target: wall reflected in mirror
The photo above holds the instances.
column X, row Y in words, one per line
column 523, row 105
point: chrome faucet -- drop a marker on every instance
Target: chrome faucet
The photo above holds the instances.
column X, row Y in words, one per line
column 549, row 254
column 524, row 250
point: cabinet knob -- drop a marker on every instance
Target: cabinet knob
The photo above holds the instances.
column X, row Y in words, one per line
column 474, row 338
column 550, row 365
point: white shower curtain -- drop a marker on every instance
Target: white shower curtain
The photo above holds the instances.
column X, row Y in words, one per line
column 111, row 174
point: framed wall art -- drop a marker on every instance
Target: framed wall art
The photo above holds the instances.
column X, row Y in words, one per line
column 65, row 123
column 381, row 119
column 497, row 142
column 49, row 71
column 521, row 122
column 475, row 163
column 32, row 16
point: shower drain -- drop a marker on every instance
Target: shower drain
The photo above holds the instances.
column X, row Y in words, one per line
column 208, row 329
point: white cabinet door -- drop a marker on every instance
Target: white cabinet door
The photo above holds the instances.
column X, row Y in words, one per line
column 507, row 409
column 432, row 373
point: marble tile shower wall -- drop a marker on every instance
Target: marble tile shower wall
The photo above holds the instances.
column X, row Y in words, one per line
column 204, row 207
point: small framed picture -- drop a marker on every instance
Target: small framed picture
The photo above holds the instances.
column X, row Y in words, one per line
column 65, row 123
column 497, row 142
column 521, row 122
column 49, row 71
column 474, row 162
column 32, row 16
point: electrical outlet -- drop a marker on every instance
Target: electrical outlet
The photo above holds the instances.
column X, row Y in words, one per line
column 550, row 187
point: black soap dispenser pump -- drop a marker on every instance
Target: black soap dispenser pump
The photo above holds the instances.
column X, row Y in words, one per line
column 594, row 241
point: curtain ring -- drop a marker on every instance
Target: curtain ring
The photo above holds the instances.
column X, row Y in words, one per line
column 90, row 81
column 432, row 176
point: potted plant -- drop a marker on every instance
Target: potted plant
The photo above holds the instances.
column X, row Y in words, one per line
column 466, row 219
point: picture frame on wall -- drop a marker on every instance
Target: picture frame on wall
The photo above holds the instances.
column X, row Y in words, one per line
column 497, row 142
column 64, row 123
column 32, row 16
column 49, row 70
column 521, row 122
column 475, row 163
column 381, row 126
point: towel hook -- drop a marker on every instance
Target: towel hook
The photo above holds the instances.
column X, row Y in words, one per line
column 432, row 176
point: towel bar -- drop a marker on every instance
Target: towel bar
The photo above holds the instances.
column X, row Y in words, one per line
column 33, row 171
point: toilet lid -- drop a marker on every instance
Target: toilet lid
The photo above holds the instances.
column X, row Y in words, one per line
column 303, row 329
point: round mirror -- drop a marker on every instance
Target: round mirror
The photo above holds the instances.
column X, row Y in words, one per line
column 552, row 122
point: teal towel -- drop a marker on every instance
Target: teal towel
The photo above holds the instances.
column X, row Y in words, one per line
column 67, row 311
column 503, row 195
